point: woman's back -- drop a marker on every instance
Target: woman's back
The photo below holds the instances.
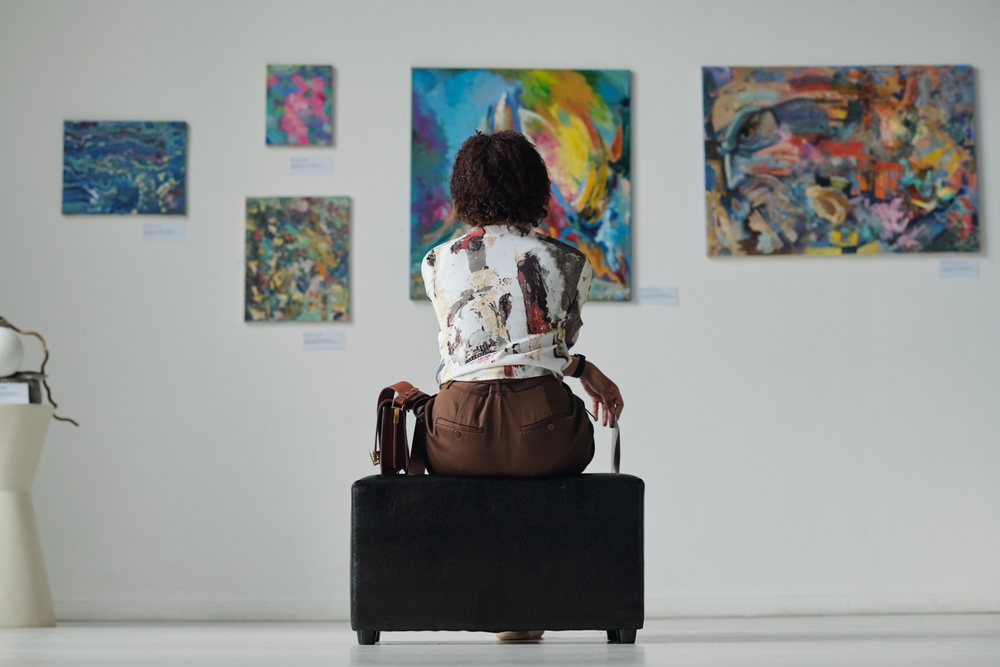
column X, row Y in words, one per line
column 508, row 302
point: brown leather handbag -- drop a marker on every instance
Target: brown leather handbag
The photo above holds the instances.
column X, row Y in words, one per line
column 391, row 451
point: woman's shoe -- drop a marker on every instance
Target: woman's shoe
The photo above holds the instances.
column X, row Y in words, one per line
column 520, row 635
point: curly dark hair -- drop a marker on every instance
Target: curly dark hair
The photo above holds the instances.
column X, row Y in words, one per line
column 500, row 179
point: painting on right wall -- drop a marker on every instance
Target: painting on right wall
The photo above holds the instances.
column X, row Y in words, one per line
column 840, row 160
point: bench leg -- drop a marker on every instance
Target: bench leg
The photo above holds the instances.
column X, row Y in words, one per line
column 613, row 636
column 368, row 637
column 626, row 636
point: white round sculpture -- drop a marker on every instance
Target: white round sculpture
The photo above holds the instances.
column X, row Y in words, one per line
column 11, row 352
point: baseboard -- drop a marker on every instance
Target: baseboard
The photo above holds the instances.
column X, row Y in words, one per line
column 202, row 610
column 823, row 605
column 692, row 607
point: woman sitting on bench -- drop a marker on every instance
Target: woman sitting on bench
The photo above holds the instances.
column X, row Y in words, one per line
column 508, row 301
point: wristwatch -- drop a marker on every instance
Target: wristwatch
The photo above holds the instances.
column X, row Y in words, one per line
column 581, row 363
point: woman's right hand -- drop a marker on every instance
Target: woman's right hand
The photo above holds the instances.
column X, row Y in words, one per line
column 602, row 392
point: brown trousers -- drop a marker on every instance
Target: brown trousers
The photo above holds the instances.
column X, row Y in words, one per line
column 531, row 427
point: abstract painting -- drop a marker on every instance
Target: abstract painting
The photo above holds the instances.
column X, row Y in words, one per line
column 299, row 105
column 580, row 122
column 297, row 259
column 840, row 160
column 124, row 168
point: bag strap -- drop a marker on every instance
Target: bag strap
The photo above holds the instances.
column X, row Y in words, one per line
column 384, row 400
column 616, row 447
column 376, row 452
column 404, row 392
column 418, row 453
column 616, row 443
column 391, row 452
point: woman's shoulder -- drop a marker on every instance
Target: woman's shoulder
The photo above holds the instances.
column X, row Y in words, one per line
column 559, row 249
column 471, row 240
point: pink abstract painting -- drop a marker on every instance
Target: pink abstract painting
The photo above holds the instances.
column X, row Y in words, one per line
column 299, row 105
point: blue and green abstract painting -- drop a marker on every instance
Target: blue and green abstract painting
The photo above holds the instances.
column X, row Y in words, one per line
column 124, row 168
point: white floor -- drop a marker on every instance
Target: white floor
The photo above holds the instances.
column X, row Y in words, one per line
column 952, row 640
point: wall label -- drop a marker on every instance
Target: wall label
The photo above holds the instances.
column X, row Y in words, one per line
column 659, row 296
column 958, row 268
column 313, row 341
column 163, row 231
column 307, row 165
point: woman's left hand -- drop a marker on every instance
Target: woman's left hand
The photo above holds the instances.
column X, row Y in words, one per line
column 602, row 392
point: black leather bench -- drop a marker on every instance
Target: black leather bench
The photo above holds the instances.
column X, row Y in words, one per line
column 494, row 554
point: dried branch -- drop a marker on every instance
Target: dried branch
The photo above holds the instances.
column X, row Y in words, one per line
column 4, row 322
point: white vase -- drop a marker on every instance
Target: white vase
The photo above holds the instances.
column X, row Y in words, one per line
column 11, row 352
column 25, row 599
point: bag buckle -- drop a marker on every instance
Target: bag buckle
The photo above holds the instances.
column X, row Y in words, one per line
column 395, row 413
column 376, row 457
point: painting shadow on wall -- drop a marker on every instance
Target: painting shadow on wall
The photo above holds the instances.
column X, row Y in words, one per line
column 983, row 140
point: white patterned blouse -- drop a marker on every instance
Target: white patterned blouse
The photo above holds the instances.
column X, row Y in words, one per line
column 508, row 303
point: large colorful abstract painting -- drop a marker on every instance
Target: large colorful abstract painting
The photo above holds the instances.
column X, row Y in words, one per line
column 299, row 105
column 580, row 122
column 840, row 160
column 124, row 168
column 297, row 259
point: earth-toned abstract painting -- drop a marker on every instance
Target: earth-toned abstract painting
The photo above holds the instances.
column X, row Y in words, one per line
column 296, row 259
column 840, row 160
column 124, row 168
column 580, row 122
column 299, row 105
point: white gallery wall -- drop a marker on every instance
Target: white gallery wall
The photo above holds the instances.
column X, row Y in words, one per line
column 816, row 434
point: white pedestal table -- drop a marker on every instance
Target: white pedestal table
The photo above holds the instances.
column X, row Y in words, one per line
column 25, row 599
